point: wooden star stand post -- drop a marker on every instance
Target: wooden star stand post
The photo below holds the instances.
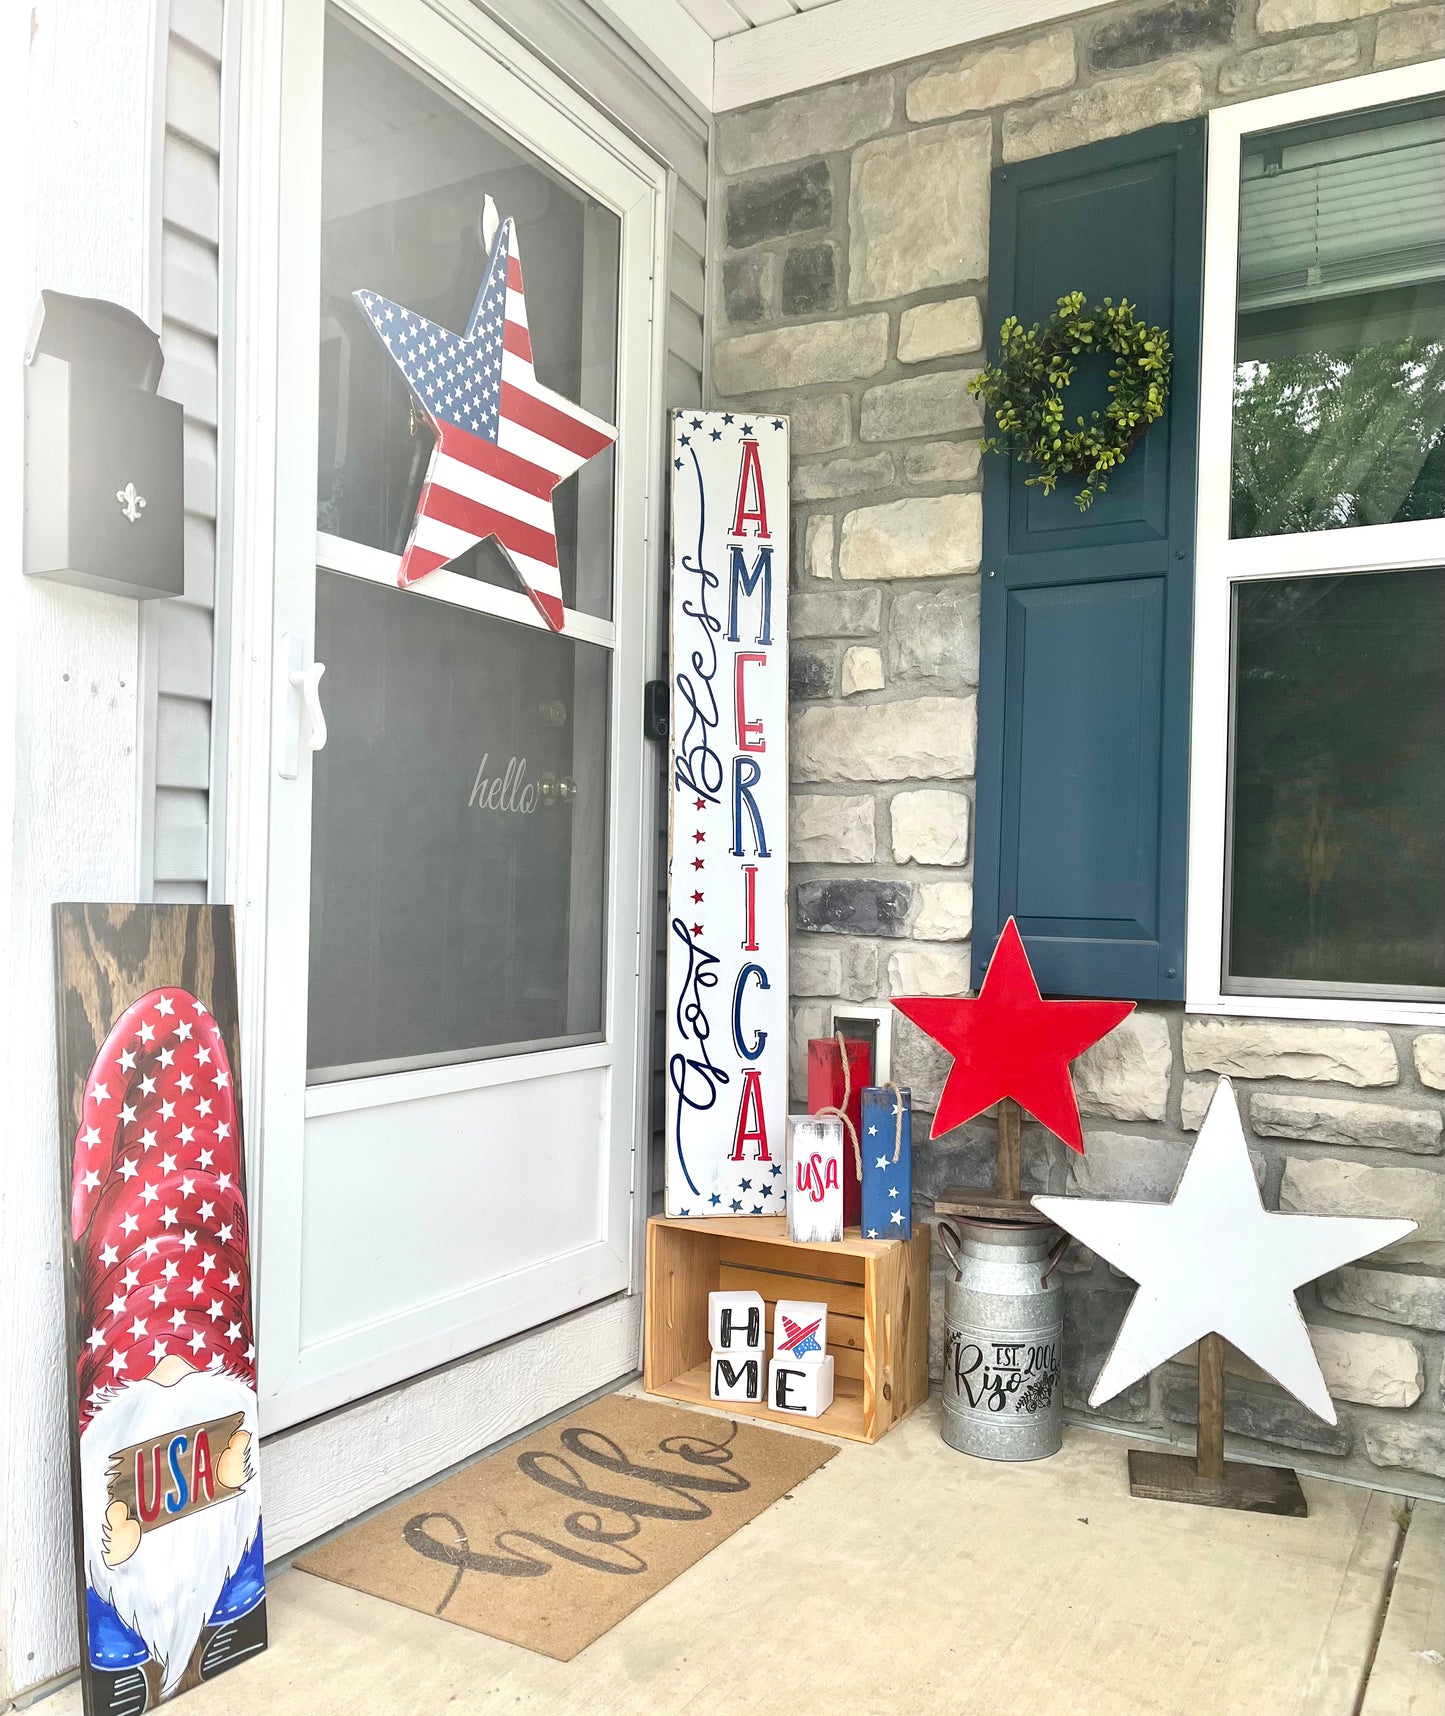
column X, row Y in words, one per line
column 1214, row 1264
column 1013, row 1048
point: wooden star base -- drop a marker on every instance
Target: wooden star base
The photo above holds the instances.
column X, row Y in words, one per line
column 1209, row 1480
column 982, row 1203
column 1251, row 1489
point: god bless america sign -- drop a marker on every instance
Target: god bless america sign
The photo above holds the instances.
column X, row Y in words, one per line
column 727, row 944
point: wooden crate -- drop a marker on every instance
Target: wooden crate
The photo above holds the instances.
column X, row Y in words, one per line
column 877, row 1297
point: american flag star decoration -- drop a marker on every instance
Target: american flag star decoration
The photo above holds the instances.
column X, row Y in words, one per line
column 801, row 1338
column 503, row 440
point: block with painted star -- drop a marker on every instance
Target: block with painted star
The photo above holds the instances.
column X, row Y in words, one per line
column 887, row 1143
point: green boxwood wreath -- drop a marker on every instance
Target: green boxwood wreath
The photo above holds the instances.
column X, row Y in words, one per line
column 1024, row 391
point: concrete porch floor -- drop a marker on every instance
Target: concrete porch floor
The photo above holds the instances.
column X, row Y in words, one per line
column 907, row 1576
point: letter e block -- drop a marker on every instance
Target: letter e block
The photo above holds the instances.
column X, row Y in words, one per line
column 803, row 1389
column 735, row 1323
column 737, row 1376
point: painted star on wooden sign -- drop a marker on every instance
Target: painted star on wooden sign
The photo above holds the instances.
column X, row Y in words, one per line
column 1215, row 1261
column 1009, row 1041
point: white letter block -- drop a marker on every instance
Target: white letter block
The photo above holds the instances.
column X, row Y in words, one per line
column 800, row 1331
column 815, row 1179
column 737, row 1376
column 806, row 1389
column 736, row 1323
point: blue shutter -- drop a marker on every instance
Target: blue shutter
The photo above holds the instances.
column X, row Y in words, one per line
column 1083, row 712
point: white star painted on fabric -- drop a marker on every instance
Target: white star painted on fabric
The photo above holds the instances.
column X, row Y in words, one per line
column 197, row 1342
column 224, row 1182
column 90, row 1180
column 159, row 1351
column 138, row 1328
column 168, row 1163
column 149, row 1194
column 127, row 1114
column 95, row 1339
column 165, row 1006
column 129, row 1169
column 178, row 1319
column 91, row 1137
column 206, row 1157
column 1216, row 1261
column 158, row 1294
column 183, row 1031
column 108, row 1256
column 99, row 1093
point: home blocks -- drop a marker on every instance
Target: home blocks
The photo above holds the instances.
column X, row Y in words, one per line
column 738, row 1339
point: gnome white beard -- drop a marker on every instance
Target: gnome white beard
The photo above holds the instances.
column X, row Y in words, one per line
column 167, row 1589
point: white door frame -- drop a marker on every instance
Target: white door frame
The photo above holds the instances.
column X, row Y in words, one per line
column 276, row 136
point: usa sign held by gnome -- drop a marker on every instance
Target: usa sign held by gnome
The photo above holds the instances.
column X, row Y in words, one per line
column 727, row 947
column 169, row 1510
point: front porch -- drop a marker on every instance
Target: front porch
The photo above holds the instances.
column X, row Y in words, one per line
column 907, row 1576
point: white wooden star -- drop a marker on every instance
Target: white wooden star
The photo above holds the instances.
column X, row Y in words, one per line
column 1216, row 1261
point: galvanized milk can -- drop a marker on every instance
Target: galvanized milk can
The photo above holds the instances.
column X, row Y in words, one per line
column 1003, row 1314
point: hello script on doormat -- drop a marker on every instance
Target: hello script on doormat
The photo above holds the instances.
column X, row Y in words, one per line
column 549, row 1543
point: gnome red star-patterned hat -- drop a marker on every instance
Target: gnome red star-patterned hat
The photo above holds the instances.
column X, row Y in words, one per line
column 1009, row 1041
column 156, row 1202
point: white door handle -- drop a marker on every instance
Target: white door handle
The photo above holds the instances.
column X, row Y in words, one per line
column 299, row 684
column 307, row 680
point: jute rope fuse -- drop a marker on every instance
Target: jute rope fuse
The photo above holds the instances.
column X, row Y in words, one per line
column 848, row 1126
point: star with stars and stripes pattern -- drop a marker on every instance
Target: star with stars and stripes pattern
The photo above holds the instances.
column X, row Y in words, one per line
column 503, row 440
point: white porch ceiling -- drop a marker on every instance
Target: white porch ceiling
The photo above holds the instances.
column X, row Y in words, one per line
column 731, row 53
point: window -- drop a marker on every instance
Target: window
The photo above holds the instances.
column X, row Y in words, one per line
column 1317, row 861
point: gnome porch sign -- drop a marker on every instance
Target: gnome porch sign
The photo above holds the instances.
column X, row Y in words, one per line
column 503, row 440
column 167, row 1506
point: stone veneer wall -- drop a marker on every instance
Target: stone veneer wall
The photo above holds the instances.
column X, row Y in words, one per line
column 852, row 230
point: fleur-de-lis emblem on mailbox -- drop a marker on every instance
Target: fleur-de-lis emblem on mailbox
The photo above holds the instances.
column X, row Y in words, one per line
column 131, row 503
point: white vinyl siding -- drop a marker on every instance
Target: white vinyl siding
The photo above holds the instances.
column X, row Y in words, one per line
column 179, row 633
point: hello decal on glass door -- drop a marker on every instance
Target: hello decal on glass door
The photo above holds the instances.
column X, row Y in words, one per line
column 503, row 440
column 728, row 777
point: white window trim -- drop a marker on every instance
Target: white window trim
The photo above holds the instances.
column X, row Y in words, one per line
column 1220, row 562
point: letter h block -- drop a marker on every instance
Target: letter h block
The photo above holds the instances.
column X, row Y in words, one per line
column 736, row 1323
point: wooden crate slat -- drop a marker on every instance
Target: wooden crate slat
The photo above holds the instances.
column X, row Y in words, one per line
column 840, row 1296
column 806, row 1262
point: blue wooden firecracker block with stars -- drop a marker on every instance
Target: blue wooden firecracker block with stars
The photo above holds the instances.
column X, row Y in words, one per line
column 887, row 1163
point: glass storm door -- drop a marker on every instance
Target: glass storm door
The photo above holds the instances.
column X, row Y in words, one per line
column 452, row 971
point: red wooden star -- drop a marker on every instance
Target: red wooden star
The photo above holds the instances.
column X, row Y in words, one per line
column 1009, row 1041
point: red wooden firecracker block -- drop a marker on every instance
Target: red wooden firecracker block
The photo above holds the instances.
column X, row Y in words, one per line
column 825, row 1090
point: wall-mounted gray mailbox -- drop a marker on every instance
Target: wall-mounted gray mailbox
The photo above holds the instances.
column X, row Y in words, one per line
column 102, row 452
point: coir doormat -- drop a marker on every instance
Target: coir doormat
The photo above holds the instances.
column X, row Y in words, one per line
column 550, row 1542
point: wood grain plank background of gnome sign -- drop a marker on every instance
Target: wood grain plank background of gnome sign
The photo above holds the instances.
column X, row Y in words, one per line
column 167, row 1505
column 727, row 1003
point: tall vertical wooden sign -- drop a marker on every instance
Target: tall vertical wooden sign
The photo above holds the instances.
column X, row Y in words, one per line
column 727, row 945
column 170, row 1563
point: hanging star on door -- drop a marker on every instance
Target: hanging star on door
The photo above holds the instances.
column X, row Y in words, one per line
column 1215, row 1261
column 503, row 440
column 1009, row 1041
